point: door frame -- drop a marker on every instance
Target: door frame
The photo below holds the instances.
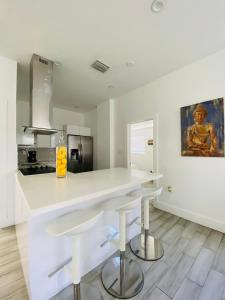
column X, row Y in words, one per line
column 155, row 119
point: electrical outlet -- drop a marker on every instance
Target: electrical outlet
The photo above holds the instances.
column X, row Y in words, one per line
column 169, row 189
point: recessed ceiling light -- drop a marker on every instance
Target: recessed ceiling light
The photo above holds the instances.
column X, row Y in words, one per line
column 158, row 5
column 130, row 63
column 110, row 86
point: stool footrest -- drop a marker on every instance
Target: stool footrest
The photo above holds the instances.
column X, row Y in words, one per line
column 110, row 238
column 68, row 269
column 136, row 221
column 60, row 267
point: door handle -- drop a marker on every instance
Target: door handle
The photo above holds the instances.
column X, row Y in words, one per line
column 80, row 153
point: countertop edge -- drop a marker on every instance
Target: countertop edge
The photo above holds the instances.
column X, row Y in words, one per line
column 53, row 207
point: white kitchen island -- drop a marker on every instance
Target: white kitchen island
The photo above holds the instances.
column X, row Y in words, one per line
column 41, row 198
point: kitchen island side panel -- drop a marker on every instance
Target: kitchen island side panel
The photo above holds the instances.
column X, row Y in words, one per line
column 46, row 253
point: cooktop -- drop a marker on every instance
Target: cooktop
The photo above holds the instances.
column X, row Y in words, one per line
column 35, row 170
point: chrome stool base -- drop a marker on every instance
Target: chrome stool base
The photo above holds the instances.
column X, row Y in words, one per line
column 83, row 291
column 76, row 291
column 146, row 247
column 87, row 292
column 122, row 277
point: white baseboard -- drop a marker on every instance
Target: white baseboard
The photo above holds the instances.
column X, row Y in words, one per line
column 6, row 223
column 191, row 216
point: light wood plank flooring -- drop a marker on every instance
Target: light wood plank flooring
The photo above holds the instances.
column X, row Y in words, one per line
column 193, row 266
column 12, row 285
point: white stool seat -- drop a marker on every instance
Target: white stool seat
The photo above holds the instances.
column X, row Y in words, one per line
column 122, row 203
column 146, row 192
column 73, row 223
column 151, row 191
column 148, row 184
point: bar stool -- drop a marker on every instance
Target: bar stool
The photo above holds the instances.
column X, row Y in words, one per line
column 72, row 225
column 122, row 277
column 144, row 245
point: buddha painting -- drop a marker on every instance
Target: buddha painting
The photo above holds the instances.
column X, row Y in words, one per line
column 202, row 129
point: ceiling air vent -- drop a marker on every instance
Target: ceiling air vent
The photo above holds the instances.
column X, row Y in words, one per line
column 99, row 66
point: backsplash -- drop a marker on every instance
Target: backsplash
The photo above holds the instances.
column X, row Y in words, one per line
column 44, row 155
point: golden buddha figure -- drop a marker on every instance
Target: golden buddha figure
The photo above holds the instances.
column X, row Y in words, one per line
column 201, row 136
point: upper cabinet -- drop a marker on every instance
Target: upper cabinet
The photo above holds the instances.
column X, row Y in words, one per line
column 8, row 76
column 77, row 130
column 85, row 131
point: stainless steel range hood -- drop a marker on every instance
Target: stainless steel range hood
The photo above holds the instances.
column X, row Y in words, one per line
column 38, row 130
column 41, row 89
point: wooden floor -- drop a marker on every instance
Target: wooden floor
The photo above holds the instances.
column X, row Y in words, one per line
column 193, row 266
column 12, row 285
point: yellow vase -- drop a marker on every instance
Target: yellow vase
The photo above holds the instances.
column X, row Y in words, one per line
column 61, row 161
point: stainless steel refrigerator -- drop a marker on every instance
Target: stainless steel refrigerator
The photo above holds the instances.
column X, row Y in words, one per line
column 80, row 153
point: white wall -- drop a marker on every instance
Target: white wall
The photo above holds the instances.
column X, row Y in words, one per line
column 22, row 118
column 8, row 161
column 62, row 116
column 105, row 135
column 90, row 120
column 198, row 182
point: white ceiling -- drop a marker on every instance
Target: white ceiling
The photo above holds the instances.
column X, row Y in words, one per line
column 76, row 32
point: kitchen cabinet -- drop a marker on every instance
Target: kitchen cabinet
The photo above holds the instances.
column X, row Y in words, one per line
column 85, row 131
column 72, row 129
column 77, row 130
column 8, row 156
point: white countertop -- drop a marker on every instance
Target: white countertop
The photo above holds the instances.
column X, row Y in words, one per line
column 44, row 193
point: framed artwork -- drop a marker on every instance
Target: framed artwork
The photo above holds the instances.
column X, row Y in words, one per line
column 202, row 129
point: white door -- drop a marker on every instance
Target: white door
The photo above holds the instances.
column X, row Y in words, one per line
column 8, row 150
column 140, row 145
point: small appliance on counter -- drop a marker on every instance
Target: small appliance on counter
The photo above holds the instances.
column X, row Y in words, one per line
column 31, row 156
